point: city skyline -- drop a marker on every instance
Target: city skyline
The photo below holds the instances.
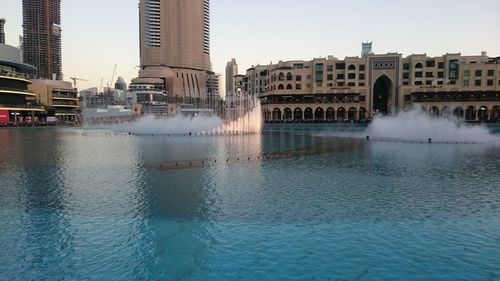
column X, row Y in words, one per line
column 94, row 40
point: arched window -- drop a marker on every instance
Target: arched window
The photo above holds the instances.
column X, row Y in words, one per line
column 330, row 114
column 287, row 114
column 297, row 114
column 308, row 114
column 289, row 76
column 319, row 114
column 289, row 87
column 281, row 87
column 419, row 66
column 352, row 67
column 276, row 114
column 352, row 114
column 281, row 76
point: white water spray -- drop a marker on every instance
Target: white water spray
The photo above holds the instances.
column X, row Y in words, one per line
column 243, row 115
column 416, row 125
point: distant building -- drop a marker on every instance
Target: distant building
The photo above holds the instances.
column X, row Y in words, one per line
column 175, row 52
column 58, row 96
column 354, row 88
column 42, row 37
column 121, row 84
column 231, row 72
column 2, row 31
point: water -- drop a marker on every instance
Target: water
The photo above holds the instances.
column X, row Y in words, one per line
column 93, row 205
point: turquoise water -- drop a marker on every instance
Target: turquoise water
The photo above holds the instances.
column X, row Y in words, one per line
column 90, row 205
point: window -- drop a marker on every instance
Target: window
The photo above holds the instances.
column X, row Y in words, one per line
column 362, row 98
column 361, row 84
column 429, row 74
column 406, row 66
column 440, row 82
column 340, row 66
column 418, row 74
column 466, row 73
column 319, row 67
column 490, row 82
column 351, row 84
column 340, row 84
column 440, row 74
column 478, row 83
column 406, row 83
column 491, row 72
column 418, row 83
column 441, row 65
column 361, row 67
column 329, row 84
column 308, row 77
column 407, row 97
column 329, row 68
column 298, row 86
column 289, row 76
column 329, row 77
column 289, row 87
column 406, row 75
column 479, row 73
column 428, row 82
column 340, row 76
column 352, row 67
column 466, row 83
column 298, row 78
column 419, row 66
column 319, row 84
column 362, row 76
column 351, row 76
column 430, row 63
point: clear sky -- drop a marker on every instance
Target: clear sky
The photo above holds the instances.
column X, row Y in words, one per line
column 97, row 34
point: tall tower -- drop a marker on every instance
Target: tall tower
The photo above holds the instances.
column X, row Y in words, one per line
column 42, row 37
column 174, row 50
column 2, row 31
column 175, row 33
column 231, row 71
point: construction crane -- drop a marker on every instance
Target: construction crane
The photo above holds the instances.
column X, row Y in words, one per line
column 76, row 79
column 112, row 77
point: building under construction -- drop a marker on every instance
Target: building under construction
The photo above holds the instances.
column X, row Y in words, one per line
column 42, row 37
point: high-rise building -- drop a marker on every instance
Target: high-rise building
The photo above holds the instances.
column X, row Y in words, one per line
column 42, row 37
column 2, row 31
column 174, row 50
column 231, row 72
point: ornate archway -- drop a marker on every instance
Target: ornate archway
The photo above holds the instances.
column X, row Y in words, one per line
column 382, row 93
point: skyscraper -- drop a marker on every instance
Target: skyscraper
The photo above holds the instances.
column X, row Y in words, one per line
column 174, row 48
column 231, row 71
column 2, row 31
column 42, row 37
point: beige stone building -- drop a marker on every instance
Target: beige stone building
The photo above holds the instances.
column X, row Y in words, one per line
column 59, row 95
column 357, row 88
column 175, row 52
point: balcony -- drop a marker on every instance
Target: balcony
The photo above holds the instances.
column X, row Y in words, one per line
column 21, row 107
column 14, row 91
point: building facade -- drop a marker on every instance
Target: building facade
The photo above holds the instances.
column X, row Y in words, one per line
column 57, row 96
column 42, row 37
column 231, row 73
column 357, row 88
column 174, row 50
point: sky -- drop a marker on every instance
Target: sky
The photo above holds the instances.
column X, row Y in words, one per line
column 99, row 34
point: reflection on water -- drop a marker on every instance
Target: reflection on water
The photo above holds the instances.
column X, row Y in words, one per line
column 96, row 206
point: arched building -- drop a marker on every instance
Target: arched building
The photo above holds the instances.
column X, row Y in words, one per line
column 357, row 88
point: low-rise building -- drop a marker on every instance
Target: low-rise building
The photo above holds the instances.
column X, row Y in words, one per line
column 57, row 96
column 357, row 88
